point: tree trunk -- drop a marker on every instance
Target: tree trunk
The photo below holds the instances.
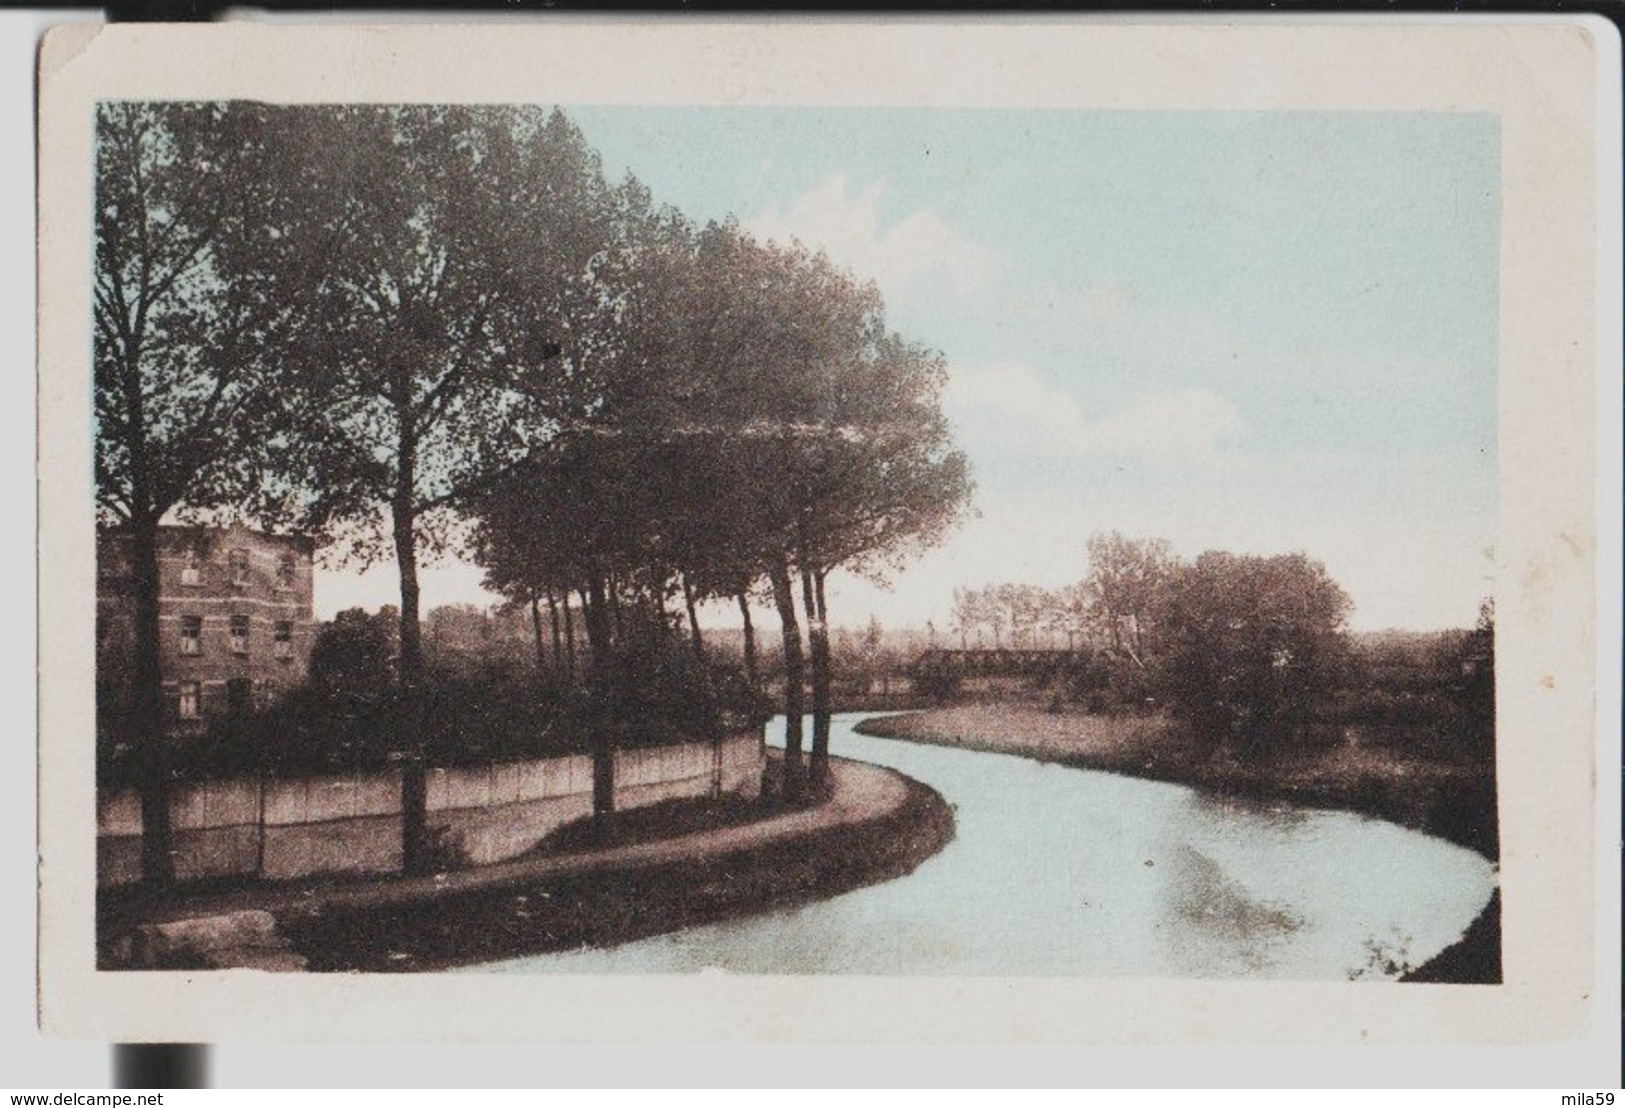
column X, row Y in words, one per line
column 603, row 714
column 147, row 709
column 784, row 601
column 569, row 640
column 536, row 626
column 614, row 598
column 409, row 664
column 662, row 619
column 409, row 670
column 693, row 619
column 553, row 621
column 818, row 641
column 587, row 626
column 750, row 639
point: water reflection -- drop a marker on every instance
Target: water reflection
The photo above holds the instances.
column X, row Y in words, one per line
column 1058, row 871
column 1212, row 919
column 1227, row 805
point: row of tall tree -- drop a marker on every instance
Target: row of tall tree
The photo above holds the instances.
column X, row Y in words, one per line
column 417, row 329
column 1017, row 616
column 1107, row 608
column 754, row 426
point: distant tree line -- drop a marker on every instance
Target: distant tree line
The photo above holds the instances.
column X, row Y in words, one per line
column 1250, row 652
column 413, row 330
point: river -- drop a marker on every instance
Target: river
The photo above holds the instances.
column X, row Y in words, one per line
column 1061, row 871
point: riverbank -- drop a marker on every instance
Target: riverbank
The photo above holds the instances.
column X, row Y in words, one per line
column 874, row 825
column 1450, row 800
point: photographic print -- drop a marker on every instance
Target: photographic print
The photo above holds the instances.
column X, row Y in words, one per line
column 758, row 540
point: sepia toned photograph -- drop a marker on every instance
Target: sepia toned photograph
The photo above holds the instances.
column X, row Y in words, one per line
column 784, row 540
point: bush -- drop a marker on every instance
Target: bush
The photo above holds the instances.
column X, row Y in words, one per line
column 352, row 716
column 1437, row 687
column 1102, row 686
column 322, row 730
column 661, row 693
column 1254, row 646
column 937, row 685
column 318, row 729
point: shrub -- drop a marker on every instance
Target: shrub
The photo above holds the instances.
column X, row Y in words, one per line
column 1254, row 646
column 352, row 717
column 937, row 685
column 661, row 692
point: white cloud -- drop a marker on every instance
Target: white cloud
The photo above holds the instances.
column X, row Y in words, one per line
column 996, row 399
column 923, row 248
column 1013, row 403
column 1175, row 421
column 1113, row 325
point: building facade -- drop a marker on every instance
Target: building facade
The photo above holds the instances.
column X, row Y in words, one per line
column 235, row 621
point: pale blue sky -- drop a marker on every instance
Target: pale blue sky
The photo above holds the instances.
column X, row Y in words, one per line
column 1263, row 332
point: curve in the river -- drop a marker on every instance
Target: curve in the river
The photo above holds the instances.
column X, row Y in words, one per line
column 1058, row 871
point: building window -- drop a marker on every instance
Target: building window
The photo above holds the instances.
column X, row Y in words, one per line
column 191, row 634
column 285, row 572
column 190, row 699
column 284, row 639
column 239, row 567
column 239, row 634
column 192, row 571
column 239, row 697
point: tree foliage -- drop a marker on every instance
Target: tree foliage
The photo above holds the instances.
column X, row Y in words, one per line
column 178, row 322
column 431, row 251
column 450, row 238
column 1124, row 590
column 753, row 423
column 1250, row 645
column 1246, row 649
column 407, row 330
column 354, row 653
column 1020, row 616
column 180, row 327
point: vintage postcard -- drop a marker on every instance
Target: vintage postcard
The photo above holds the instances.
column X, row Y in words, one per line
column 1031, row 530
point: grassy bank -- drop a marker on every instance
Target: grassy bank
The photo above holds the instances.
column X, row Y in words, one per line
column 1386, row 774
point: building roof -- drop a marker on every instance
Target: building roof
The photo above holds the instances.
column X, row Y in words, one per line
column 170, row 534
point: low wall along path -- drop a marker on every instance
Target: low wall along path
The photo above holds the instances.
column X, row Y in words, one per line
column 351, row 824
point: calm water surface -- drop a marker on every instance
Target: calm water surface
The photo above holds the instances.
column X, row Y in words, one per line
column 1060, row 871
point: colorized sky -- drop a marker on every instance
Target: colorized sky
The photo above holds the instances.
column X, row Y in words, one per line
column 1257, row 332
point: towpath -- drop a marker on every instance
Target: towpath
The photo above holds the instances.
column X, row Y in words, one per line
column 860, row 794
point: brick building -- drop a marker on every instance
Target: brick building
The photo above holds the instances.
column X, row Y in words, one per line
column 235, row 622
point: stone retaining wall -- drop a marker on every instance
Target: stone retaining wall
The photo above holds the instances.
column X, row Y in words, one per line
column 352, row 823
